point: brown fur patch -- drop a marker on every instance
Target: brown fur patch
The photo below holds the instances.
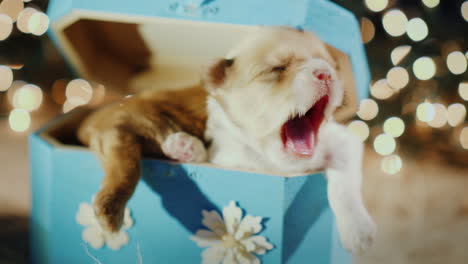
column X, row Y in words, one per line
column 217, row 72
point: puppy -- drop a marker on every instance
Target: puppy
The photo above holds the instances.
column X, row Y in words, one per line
column 267, row 106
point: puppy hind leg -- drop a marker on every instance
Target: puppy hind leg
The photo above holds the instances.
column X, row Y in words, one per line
column 181, row 146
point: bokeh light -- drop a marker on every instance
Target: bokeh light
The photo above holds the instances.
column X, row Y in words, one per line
column 367, row 30
column 391, row 164
column 24, row 18
column 464, row 138
column 376, row 5
column 431, row 3
column 394, row 22
column 368, row 109
column 11, row 8
column 381, row 90
column 38, row 23
column 456, row 62
column 398, row 78
column 440, row 116
column 424, row 68
column 463, row 90
column 79, row 92
column 19, row 120
column 399, row 53
column 15, row 85
column 6, row 26
column 384, row 144
column 425, row 112
column 394, row 127
column 417, row 29
column 456, row 114
column 359, row 129
column 464, row 10
column 68, row 106
column 29, row 97
column 6, row 77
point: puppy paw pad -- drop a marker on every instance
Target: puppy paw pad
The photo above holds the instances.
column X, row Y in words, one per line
column 184, row 147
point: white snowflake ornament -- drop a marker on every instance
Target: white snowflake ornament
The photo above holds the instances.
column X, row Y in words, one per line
column 95, row 235
column 231, row 239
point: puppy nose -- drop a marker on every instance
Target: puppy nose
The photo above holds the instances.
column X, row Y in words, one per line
column 323, row 75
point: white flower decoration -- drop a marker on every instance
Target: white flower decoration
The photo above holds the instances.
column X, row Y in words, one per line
column 95, row 235
column 231, row 241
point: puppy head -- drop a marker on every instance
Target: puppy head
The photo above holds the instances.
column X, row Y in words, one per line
column 278, row 84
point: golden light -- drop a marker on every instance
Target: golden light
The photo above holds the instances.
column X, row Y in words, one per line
column 11, row 8
column 367, row 30
column 368, row 109
column 398, row 78
column 425, row 112
column 359, row 129
column 376, row 5
column 79, row 92
column 440, row 116
column 15, row 85
column 19, row 120
column 24, row 18
column 456, row 62
column 38, row 23
column 431, row 3
column 384, row 144
column 29, row 97
column 463, row 90
column 417, row 29
column 464, row 10
column 381, row 90
column 456, row 114
column 68, row 106
column 391, row 164
column 464, row 138
column 6, row 77
column 394, row 127
column 6, row 26
column 394, row 22
column 424, row 68
column 399, row 53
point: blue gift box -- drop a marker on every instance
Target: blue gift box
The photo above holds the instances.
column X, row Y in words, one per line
column 111, row 42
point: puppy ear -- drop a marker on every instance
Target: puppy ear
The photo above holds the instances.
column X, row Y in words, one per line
column 216, row 73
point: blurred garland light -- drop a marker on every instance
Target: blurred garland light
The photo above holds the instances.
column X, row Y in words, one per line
column 394, row 22
column 23, row 19
column 38, row 23
column 464, row 10
column 6, row 26
column 398, row 78
column 399, row 53
column 384, row 144
column 424, row 68
column 367, row 30
column 368, row 109
column 359, row 129
column 29, row 97
column 394, row 127
column 431, row 3
column 391, row 164
column 464, row 138
column 381, row 90
column 12, row 8
column 425, row 112
column 456, row 62
column 376, row 5
column 456, row 114
column 19, row 120
column 6, row 77
column 440, row 116
column 79, row 92
column 417, row 29
column 463, row 90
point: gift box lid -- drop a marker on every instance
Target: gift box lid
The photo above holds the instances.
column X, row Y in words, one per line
column 117, row 43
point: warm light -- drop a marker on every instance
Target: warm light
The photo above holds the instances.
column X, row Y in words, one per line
column 391, row 164
column 367, row 30
column 28, row 97
column 464, row 10
column 398, row 78
column 431, row 3
column 417, row 29
column 368, row 109
column 463, row 90
column 6, row 77
column 425, row 112
column 24, row 18
column 394, row 127
column 464, row 138
column 394, row 22
column 38, row 23
column 79, row 92
column 376, row 5
column 359, row 129
column 456, row 62
column 381, row 90
column 19, row 120
column 6, row 26
column 68, row 106
column 440, row 116
column 424, row 68
column 456, row 114
column 11, row 8
column 399, row 53
column 15, row 85
column 384, row 144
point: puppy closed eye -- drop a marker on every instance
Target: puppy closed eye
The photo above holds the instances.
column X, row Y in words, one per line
column 279, row 69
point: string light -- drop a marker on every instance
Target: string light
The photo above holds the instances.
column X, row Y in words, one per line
column 425, row 112
column 394, row 127
column 394, row 22
column 29, row 97
column 79, row 92
column 6, row 77
column 464, row 138
column 376, row 5
column 456, row 114
column 424, row 68
column 417, row 29
column 368, row 109
column 367, row 30
column 15, row 85
column 431, row 3
column 391, row 164
column 381, row 90
column 399, row 53
column 463, row 90
column 6, row 26
column 398, row 78
column 38, row 23
column 456, row 62
column 359, row 129
column 11, row 8
column 24, row 18
column 464, row 10
column 68, row 106
column 19, row 120
column 440, row 116
column 384, row 144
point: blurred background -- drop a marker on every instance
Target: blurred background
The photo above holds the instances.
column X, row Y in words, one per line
column 413, row 124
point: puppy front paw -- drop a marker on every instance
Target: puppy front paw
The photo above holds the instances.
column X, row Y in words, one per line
column 109, row 210
column 358, row 237
column 184, row 147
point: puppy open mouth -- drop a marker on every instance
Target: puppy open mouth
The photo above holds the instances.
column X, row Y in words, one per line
column 299, row 134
